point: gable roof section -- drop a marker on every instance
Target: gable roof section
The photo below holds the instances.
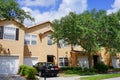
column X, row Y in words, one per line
column 16, row 22
column 40, row 26
column 47, row 22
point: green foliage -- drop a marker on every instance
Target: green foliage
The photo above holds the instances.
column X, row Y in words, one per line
column 70, row 68
column 91, row 30
column 22, row 70
column 93, row 70
column 117, row 69
column 101, row 67
column 78, row 70
column 10, row 9
column 27, row 71
column 110, row 67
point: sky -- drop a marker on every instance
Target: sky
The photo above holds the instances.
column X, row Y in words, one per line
column 49, row 10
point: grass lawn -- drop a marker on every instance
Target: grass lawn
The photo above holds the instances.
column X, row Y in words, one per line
column 68, row 75
column 100, row 77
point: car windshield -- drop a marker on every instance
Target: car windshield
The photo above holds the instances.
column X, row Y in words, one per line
column 47, row 64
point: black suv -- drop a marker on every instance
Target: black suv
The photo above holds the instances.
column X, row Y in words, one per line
column 46, row 68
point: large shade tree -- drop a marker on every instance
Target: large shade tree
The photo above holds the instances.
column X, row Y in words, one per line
column 10, row 9
column 109, row 33
column 91, row 30
column 77, row 29
column 66, row 29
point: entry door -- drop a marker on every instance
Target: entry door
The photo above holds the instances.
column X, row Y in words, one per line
column 95, row 59
column 50, row 58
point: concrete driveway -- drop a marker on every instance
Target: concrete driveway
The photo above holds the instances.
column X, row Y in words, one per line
column 61, row 78
column 11, row 77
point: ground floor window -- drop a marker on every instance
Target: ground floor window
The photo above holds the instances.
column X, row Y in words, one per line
column 63, row 61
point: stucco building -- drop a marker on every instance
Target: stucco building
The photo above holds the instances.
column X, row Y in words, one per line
column 21, row 45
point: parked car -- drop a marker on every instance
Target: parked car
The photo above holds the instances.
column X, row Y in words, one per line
column 46, row 68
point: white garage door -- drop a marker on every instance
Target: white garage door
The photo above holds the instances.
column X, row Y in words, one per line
column 9, row 64
column 83, row 61
column 115, row 62
column 30, row 61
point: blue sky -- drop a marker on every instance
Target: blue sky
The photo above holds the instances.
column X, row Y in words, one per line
column 100, row 4
column 48, row 10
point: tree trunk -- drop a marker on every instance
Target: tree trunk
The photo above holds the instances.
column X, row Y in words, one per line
column 90, row 60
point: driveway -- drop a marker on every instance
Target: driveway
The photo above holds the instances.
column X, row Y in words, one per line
column 11, row 77
column 61, row 78
column 72, row 78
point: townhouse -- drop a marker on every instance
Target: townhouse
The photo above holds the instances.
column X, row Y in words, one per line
column 21, row 45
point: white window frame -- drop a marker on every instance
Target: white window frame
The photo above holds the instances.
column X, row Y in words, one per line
column 30, row 38
column 8, row 33
column 63, row 61
column 33, row 39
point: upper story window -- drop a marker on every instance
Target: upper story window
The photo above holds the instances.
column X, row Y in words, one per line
column 9, row 33
column 33, row 39
column 49, row 40
column 62, row 43
column 30, row 39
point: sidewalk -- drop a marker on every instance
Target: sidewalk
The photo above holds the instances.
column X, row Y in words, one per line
column 118, row 78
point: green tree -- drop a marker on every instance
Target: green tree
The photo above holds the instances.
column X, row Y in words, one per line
column 77, row 29
column 91, row 30
column 109, row 33
column 88, row 35
column 10, row 9
column 66, row 29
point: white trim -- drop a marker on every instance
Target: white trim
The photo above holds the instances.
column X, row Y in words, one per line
column 7, row 26
column 30, row 35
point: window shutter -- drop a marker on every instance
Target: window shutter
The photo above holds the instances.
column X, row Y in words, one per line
column 1, row 32
column 17, row 34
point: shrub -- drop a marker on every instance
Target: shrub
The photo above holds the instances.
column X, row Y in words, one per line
column 85, row 69
column 117, row 69
column 93, row 70
column 70, row 68
column 110, row 67
column 22, row 70
column 28, row 72
column 101, row 67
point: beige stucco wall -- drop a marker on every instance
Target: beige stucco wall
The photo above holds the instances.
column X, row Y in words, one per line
column 42, row 49
column 15, row 47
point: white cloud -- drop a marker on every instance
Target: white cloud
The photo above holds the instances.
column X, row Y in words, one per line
column 115, row 7
column 44, row 3
column 65, row 7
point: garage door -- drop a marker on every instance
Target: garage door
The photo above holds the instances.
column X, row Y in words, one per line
column 9, row 64
column 30, row 61
column 83, row 61
column 115, row 62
